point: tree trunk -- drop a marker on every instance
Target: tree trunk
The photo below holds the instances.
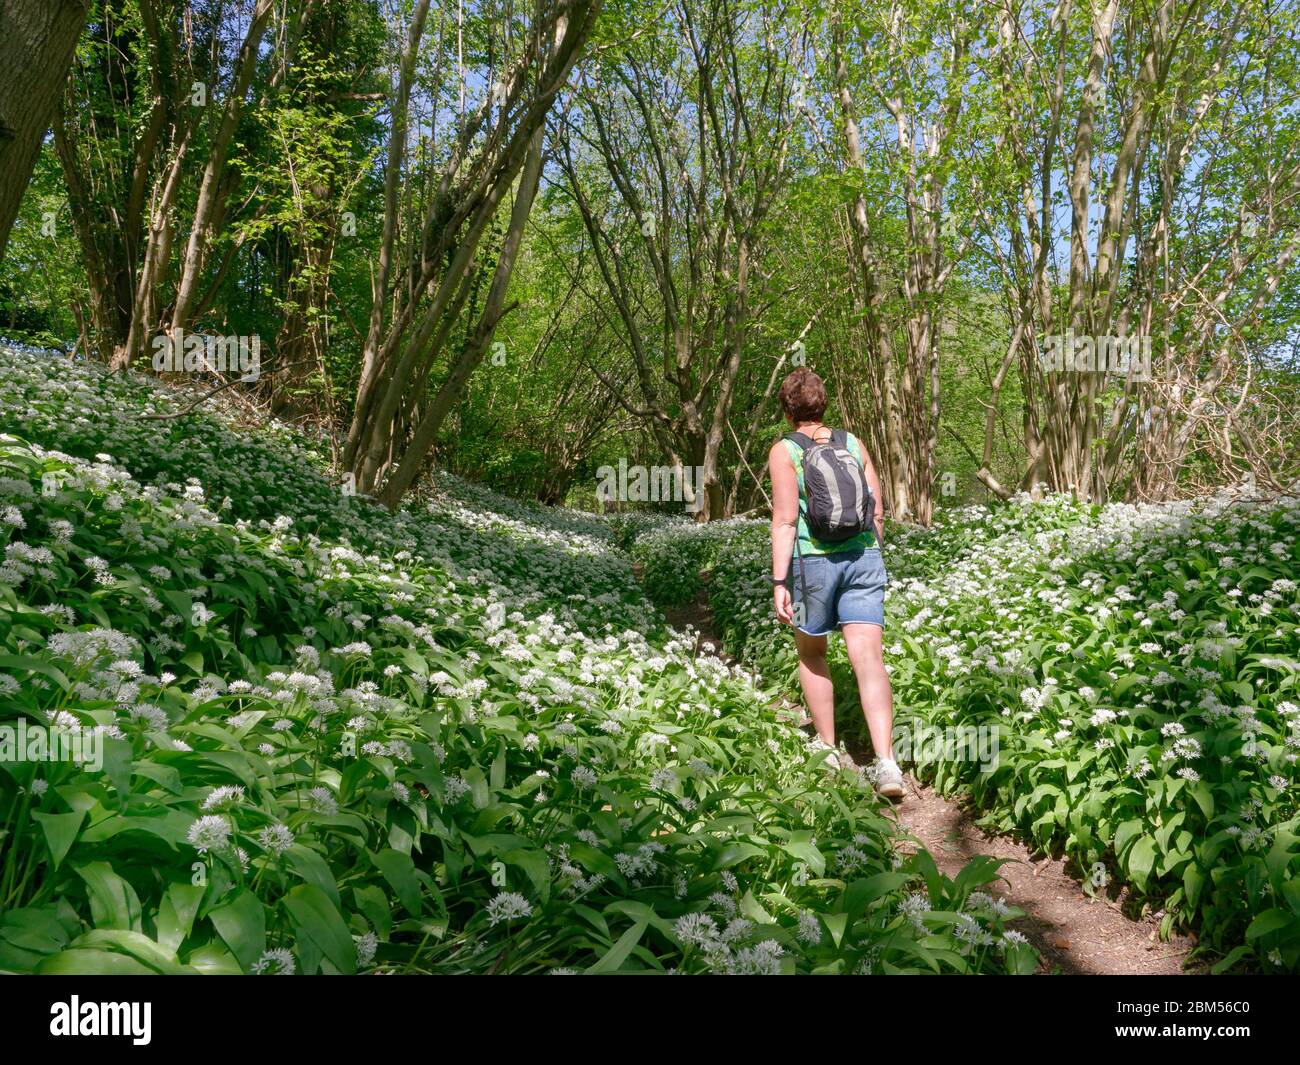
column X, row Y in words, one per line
column 37, row 40
column 210, row 198
column 476, row 345
column 414, row 311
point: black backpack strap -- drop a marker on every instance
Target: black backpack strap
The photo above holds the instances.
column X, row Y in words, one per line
column 802, row 439
column 840, row 438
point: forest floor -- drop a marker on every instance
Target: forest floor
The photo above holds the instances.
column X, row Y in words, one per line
column 1074, row 932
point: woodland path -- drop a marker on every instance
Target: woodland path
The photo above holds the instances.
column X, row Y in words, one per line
column 1075, row 933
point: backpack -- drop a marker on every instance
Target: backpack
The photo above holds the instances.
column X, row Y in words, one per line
column 839, row 503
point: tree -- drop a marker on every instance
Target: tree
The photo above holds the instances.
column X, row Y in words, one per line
column 438, row 209
column 922, row 73
column 674, row 161
column 37, row 40
column 151, row 112
column 1175, row 174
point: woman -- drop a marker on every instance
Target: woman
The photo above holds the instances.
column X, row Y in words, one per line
column 837, row 585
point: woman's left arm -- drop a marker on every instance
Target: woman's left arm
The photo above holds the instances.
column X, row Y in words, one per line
column 873, row 482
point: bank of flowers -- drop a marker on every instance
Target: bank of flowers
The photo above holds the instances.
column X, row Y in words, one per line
column 1136, row 669
column 453, row 739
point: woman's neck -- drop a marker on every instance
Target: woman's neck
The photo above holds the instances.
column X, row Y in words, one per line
column 802, row 426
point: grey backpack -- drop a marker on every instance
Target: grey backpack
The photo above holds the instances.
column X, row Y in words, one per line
column 839, row 503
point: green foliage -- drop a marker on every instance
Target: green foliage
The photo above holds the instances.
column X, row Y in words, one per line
column 340, row 740
column 674, row 555
column 1137, row 669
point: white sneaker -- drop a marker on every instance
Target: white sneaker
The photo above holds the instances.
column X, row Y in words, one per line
column 832, row 753
column 887, row 777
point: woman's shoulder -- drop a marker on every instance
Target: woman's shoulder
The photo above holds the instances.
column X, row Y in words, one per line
column 785, row 454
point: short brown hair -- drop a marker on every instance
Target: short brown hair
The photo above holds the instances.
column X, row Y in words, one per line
column 803, row 396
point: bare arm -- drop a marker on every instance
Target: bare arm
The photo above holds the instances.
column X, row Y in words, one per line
column 785, row 524
column 785, row 508
column 873, row 482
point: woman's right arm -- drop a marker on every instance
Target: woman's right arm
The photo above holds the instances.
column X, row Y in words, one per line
column 785, row 527
column 873, row 482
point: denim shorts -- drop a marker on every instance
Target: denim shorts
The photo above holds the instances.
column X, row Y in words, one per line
column 844, row 588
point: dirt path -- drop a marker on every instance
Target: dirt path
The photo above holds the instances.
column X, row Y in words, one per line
column 1074, row 933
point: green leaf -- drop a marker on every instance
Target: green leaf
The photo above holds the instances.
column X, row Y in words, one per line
column 93, row 963
column 480, row 793
column 398, row 869
column 178, row 601
column 176, row 914
column 639, row 911
column 1271, row 921
column 934, row 880
column 1141, row 860
column 139, row 946
column 1125, row 682
column 595, row 861
column 862, row 893
column 1021, row 959
column 535, row 866
column 60, row 832
column 316, row 919
column 800, row 845
column 13, row 663
column 313, row 869
column 495, row 844
column 736, row 852
column 167, row 825
column 117, row 765
column 836, row 923
column 374, row 906
column 1200, row 791
column 1230, row 959
column 241, row 924
column 1125, row 834
column 212, row 959
column 617, row 954
column 753, row 909
column 113, row 901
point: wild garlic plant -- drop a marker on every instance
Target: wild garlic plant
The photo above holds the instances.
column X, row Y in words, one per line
column 453, row 739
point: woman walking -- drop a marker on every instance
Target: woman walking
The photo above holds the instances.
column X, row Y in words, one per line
column 827, row 530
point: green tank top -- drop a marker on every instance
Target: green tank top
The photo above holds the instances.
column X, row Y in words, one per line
column 808, row 545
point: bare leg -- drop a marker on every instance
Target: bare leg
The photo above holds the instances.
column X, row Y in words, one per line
column 815, row 679
column 868, row 659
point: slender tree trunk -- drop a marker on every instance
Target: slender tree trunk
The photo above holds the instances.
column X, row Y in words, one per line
column 477, row 345
column 420, row 297
column 210, row 198
column 37, row 40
